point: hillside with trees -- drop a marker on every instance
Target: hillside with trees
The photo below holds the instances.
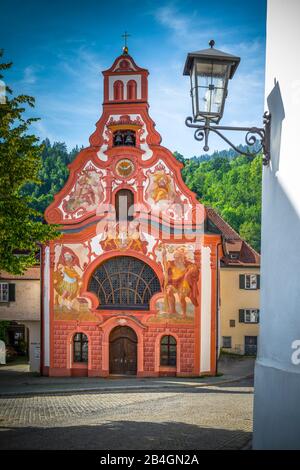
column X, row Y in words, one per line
column 228, row 182
column 53, row 173
column 231, row 184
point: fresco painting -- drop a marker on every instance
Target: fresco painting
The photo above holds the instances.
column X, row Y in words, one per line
column 181, row 279
column 86, row 194
column 123, row 236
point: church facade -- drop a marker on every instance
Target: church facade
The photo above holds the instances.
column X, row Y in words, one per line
column 131, row 285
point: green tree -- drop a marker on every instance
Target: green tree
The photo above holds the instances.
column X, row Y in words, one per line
column 231, row 185
column 53, row 174
column 20, row 161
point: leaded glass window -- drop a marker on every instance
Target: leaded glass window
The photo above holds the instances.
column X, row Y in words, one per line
column 124, row 282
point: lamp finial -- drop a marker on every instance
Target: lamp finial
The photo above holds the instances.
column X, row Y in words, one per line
column 211, row 43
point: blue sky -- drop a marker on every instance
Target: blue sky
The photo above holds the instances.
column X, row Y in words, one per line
column 59, row 49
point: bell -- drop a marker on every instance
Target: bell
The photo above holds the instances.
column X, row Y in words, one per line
column 129, row 140
column 118, row 139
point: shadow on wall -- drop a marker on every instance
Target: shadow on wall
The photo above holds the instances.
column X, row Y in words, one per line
column 276, row 108
column 277, row 378
column 124, row 435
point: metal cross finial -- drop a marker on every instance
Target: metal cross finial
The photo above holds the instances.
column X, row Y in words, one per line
column 125, row 36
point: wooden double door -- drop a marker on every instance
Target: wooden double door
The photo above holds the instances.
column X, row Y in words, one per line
column 123, row 351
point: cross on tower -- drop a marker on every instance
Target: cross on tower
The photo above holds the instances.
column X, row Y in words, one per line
column 125, row 36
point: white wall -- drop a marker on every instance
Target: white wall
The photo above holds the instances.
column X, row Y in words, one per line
column 277, row 378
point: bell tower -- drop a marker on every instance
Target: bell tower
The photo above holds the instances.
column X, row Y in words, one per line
column 125, row 82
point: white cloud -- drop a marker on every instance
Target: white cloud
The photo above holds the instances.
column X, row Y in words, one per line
column 30, row 75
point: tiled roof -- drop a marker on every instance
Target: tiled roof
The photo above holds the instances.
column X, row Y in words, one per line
column 32, row 273
column 233, row 243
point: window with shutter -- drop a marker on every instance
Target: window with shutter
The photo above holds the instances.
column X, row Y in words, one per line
column 4, row 295
column 249, row 315
column 242, row 281
column 12, row 292
column 241, row 315
column 249, row 281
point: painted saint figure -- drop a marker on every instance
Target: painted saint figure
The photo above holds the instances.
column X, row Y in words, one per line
column 181, row 278
column 66, row 278
column 162, row 187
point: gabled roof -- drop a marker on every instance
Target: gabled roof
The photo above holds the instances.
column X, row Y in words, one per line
column 124, row 63
column 233, row 243
column 32, row 273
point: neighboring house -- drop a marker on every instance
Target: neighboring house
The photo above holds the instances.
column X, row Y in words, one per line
column 239, row 291
column 20, row 305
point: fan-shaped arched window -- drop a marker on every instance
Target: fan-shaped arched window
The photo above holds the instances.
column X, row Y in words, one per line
column 118, row 90
column 131, row 90
column 124, row 282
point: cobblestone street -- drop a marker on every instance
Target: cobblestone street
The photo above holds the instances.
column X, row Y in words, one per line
column 212, row 417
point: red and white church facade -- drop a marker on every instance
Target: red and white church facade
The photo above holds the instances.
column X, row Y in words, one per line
column 130, row 287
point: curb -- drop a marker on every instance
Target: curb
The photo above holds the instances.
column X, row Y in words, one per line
column 121, row 388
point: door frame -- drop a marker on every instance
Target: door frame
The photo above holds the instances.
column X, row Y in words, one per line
column 137, row 327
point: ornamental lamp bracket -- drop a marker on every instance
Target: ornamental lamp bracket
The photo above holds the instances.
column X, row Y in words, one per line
column 209, row 71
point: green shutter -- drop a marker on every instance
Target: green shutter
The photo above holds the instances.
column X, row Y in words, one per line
column 242, row 281
column 12, row 292
column 241, row 315
column 258, row 316
column 258, row 281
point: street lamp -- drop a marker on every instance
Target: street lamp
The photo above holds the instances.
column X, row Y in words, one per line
column 209, row 71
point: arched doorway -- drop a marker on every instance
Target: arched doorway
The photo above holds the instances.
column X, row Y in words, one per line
column 123, row 351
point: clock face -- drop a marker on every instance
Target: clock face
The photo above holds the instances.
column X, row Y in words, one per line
column 124, row 168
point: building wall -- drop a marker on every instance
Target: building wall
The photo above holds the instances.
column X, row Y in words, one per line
column 232, row 298
column 26, row 311
column 277, row 373
column 34, row 345
column 27, row 303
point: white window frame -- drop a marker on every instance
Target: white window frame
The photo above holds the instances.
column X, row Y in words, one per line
column 4, row 292
column 253, row 312
column 252, row 284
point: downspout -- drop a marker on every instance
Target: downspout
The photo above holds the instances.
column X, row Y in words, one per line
column 217, row 306
column 42, row 312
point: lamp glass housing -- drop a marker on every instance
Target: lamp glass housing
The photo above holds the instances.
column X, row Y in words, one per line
column 209, row 81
